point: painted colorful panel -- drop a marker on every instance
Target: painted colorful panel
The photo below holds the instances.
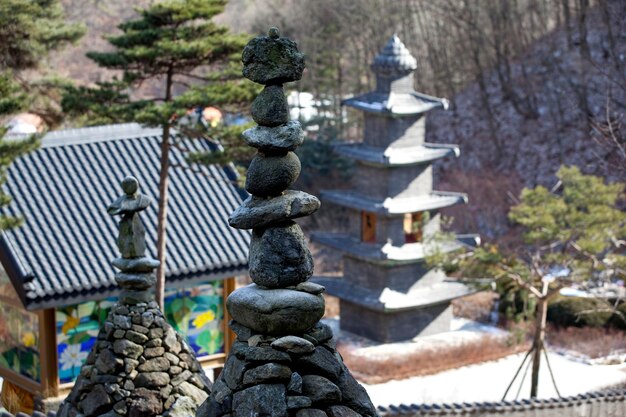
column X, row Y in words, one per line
column 77, row 330
column 196, row 313
column 19, row 347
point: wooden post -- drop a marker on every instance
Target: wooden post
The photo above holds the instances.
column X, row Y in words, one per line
column 229, row 335
column 48, row 353
column 539, row 337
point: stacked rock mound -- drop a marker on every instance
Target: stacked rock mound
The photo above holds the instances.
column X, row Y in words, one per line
column 284, row 361
column 139, row 366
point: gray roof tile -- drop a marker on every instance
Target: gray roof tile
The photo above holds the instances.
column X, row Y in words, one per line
column 62, row 253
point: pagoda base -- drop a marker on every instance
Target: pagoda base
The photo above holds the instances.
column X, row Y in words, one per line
column 392, row 316
column 388, row 327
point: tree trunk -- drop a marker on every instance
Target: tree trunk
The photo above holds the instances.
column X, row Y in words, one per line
column 539, row 338
column 159, row 292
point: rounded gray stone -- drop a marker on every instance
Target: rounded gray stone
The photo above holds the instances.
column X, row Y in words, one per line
column 310, row 287
column 261, row 400
column 311, row 412
column 270, row 175
column 341, row 411
column 293, row 344
column 270, row 108
column 283, row 138
column 265, row 373
column 320, row 390
column 279, row 256
column 275, row 311
column 261, row 212
column 269, row 60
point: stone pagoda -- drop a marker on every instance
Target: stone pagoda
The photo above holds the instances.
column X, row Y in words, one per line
column 387, row 293
column 283, row 362
column 139, row 366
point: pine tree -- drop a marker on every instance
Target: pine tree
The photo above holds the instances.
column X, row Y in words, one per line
column 29, row 30
column 175, row 43
column 574, row 233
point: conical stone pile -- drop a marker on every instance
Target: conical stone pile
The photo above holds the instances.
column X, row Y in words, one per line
column 139, row 366
column 284, row 361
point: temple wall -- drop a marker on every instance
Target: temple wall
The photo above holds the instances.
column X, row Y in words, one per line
column 605, row 404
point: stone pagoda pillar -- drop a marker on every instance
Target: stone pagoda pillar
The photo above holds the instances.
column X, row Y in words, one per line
column 387, row 292
column 139, row 366
column 284, row 361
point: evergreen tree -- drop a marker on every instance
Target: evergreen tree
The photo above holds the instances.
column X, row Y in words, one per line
column 573, row 234
column 29, row 30
column 174, row 43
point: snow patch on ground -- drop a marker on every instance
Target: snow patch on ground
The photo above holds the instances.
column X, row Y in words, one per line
column 488, row 382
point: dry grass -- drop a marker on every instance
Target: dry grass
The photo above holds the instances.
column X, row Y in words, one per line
column 591, row 342
column 475, row 307
column 426, row 362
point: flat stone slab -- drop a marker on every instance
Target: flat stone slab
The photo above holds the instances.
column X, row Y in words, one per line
column 275, row 311
column 283, row 138
column 261, row 212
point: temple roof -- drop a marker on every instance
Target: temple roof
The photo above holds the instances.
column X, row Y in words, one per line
column 379, row 253
column 392, row 156
column 62, row 254
column 394, row 206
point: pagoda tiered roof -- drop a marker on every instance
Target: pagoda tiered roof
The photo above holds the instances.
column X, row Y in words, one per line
column 389, row 300
column 395, row 156
column 395, row 103
column 395, row 62
column 382, row 253
column 394, row 206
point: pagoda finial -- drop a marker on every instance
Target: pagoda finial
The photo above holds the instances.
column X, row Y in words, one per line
column 394, row 60
column 136, row 276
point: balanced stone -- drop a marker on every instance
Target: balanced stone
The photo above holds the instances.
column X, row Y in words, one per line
column 275, row 311
column 260, row 212
column 321, row 362
column 272, row 60
column 283, row 138
column 267, row 372
column 261, row 400
column 297, row 402
column 293, row 344
column 342, row 411
column 270, row 108
column 270, row 175
column 320, row 390
column 279, row 256
column 310, row 287
column 311, row 412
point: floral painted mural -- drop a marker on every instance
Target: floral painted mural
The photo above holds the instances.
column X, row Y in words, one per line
column 19, row 347
column 77, row 330
column 196, row 313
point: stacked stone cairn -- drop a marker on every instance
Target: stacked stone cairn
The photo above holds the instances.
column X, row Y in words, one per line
column 284, row 361
column 139, row 366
